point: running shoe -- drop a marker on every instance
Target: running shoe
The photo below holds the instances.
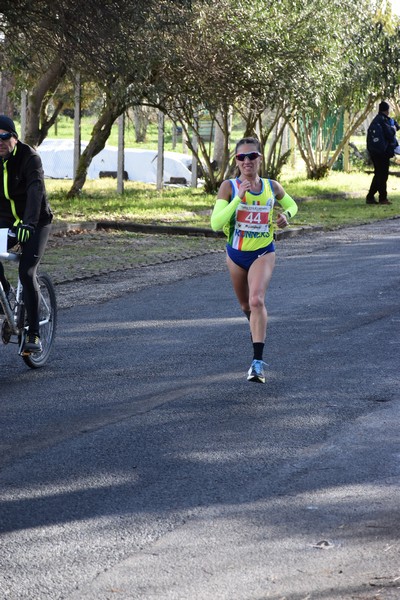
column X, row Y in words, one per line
column 256, row 371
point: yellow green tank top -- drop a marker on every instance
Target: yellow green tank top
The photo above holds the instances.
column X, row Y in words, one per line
column 251, row 227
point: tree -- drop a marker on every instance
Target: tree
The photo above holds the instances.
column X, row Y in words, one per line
column 235, row 41
column 118, row 45
column 33, row 47
column 363, row 67
column 133, row 72
column 286, row 59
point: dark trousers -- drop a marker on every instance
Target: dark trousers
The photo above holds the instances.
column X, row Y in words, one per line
column 32, row 252
column 379, row 180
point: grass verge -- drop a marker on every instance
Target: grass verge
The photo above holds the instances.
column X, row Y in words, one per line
column 332, row 202
column 78, row 255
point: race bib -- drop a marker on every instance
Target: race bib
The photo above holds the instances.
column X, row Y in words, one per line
column 252, row 218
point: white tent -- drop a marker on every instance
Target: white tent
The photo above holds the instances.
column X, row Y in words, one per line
column 140, row 165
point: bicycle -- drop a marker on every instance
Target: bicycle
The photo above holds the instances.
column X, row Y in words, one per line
column 14, row 327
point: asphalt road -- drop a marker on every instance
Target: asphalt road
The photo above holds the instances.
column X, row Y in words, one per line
column 140, row 463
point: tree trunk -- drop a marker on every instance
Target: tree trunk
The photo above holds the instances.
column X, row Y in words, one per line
column 220, row 140
column 140, row 122
column 38, row 99
column 100, row 134
column 6, row 86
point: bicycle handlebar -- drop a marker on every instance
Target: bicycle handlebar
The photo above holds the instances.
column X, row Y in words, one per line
column 12, row 256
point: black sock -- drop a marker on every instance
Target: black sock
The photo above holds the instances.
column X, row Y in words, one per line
column 258, row 349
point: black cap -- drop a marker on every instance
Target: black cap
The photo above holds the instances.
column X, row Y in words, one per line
column 383, row 107
column 7, row 124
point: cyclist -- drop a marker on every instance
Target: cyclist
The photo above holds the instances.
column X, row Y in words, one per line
column 24, row 208
column 243, row 210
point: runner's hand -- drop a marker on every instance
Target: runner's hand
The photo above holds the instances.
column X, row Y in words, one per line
column 245, row 186
column 282, row 221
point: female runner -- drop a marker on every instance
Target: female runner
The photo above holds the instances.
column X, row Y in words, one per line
column 243, row 210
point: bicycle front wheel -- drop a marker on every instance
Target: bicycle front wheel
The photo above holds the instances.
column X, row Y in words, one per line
column 47, row 322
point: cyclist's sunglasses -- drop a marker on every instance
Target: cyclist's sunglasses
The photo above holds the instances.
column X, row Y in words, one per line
column 250, row 156
column 5, row 136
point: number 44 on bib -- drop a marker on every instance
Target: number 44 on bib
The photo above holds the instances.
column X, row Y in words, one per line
column 253, row 218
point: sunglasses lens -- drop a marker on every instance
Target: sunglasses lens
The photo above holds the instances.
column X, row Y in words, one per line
column 5, row 136
column 250, row 156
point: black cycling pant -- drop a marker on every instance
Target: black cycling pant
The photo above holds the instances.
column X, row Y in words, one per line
column 32, row 252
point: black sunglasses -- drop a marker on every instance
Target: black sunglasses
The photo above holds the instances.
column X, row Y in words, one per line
column 250, row 156
column 5, row 136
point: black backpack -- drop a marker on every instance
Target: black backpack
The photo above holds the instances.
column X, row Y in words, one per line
column 376, row 140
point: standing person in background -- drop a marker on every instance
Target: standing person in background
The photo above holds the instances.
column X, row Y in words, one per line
column 25, row 210
column 243, row 210
column 381, row 144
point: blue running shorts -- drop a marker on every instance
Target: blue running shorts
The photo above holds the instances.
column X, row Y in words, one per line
column 245, row 258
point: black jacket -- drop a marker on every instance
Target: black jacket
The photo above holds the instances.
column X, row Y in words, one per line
column 388, row 133
column 22, row 188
